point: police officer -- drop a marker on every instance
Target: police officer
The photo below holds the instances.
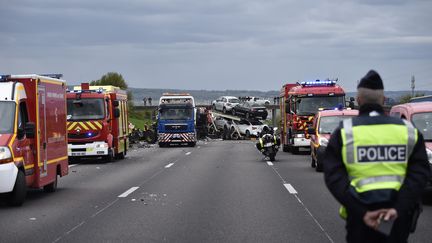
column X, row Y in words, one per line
column 376, row 167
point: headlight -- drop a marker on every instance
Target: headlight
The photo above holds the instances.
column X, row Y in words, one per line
column 323, row 141
column 101, row 145
column 429, row 154
column 5, row 155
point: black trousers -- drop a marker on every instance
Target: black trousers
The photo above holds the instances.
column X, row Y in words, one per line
column 358, row 231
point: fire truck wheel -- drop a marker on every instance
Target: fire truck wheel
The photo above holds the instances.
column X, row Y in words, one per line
column 52, row 187
column 17, row 196
column 110, row 157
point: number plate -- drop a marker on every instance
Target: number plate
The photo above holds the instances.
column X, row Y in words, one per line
column 78, row 153
column 268, row 145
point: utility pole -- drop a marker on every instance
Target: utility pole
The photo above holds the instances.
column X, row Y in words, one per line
column 412, row 86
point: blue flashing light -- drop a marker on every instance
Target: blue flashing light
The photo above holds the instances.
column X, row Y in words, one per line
column 4, row 77
column 89, row 134
column 318, row 82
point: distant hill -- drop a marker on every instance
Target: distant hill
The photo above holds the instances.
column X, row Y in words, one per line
column 207, row 96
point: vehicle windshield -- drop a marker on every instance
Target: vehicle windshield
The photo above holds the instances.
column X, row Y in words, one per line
column 423, row 122
column 256, row 123
column 328, row 124
column 85, row 109
column 234, row 101
column 310, row 105
column 7, row 111
column 421, row 99
column 175, row 113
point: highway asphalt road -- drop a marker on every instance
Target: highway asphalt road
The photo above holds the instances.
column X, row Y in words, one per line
column 219, row 191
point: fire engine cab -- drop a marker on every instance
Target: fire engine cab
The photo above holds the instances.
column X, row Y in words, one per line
column 33, row 142
column 299, row 104
column 97, row 122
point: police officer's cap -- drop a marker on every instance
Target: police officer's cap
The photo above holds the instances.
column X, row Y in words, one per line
column 371, row 80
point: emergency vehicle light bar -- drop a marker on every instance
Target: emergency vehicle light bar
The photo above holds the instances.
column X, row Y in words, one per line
column 100, row 90
column 4, row 77
column 318, row 82
column 53, row 75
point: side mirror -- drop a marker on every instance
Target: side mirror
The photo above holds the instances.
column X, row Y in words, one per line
column 116, row 113
column 115, row 103
column 20, row 133
column 30, row 128
column 311, row 131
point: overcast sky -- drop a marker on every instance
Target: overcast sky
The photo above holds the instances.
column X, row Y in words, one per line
column 221, row 44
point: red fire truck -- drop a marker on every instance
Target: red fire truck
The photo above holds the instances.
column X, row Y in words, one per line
column 33, row 142
column 97, row 122
column 298, row 104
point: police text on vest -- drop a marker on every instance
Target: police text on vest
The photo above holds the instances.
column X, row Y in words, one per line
column 381, row 153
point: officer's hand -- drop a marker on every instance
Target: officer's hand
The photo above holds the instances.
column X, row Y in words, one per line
column 391, row 214
column 373, row 218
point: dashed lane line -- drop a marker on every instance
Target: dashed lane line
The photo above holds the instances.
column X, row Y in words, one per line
column 188, row 153
column 72, row 165
column 290, row 188
column 126, row 193
column 169, row 165
column 269, row 163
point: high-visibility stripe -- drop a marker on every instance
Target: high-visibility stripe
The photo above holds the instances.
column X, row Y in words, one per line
column 347, row 125
column 83, row 126
column 72, row 125
column 375, row 179
column 91, row 125
column 411, row 137
column 98, row 124
column 57, row 160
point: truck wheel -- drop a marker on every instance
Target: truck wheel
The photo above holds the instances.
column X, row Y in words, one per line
column 192, row 144
column 17, row 196
column 110, row 157
column 52, row 187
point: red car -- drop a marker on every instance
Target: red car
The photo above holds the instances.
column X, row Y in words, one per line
column 324, row 123
column 420, row 114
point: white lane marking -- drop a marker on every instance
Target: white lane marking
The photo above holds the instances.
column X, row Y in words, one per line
column 72, row 165
column 169, row 165
column 76, row 227
column 188, row 153
column 290, row 188
column 314, row 219
column 126, row 193
column 269, row 163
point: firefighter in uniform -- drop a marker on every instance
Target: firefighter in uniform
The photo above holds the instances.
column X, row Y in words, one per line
column 376, row 167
